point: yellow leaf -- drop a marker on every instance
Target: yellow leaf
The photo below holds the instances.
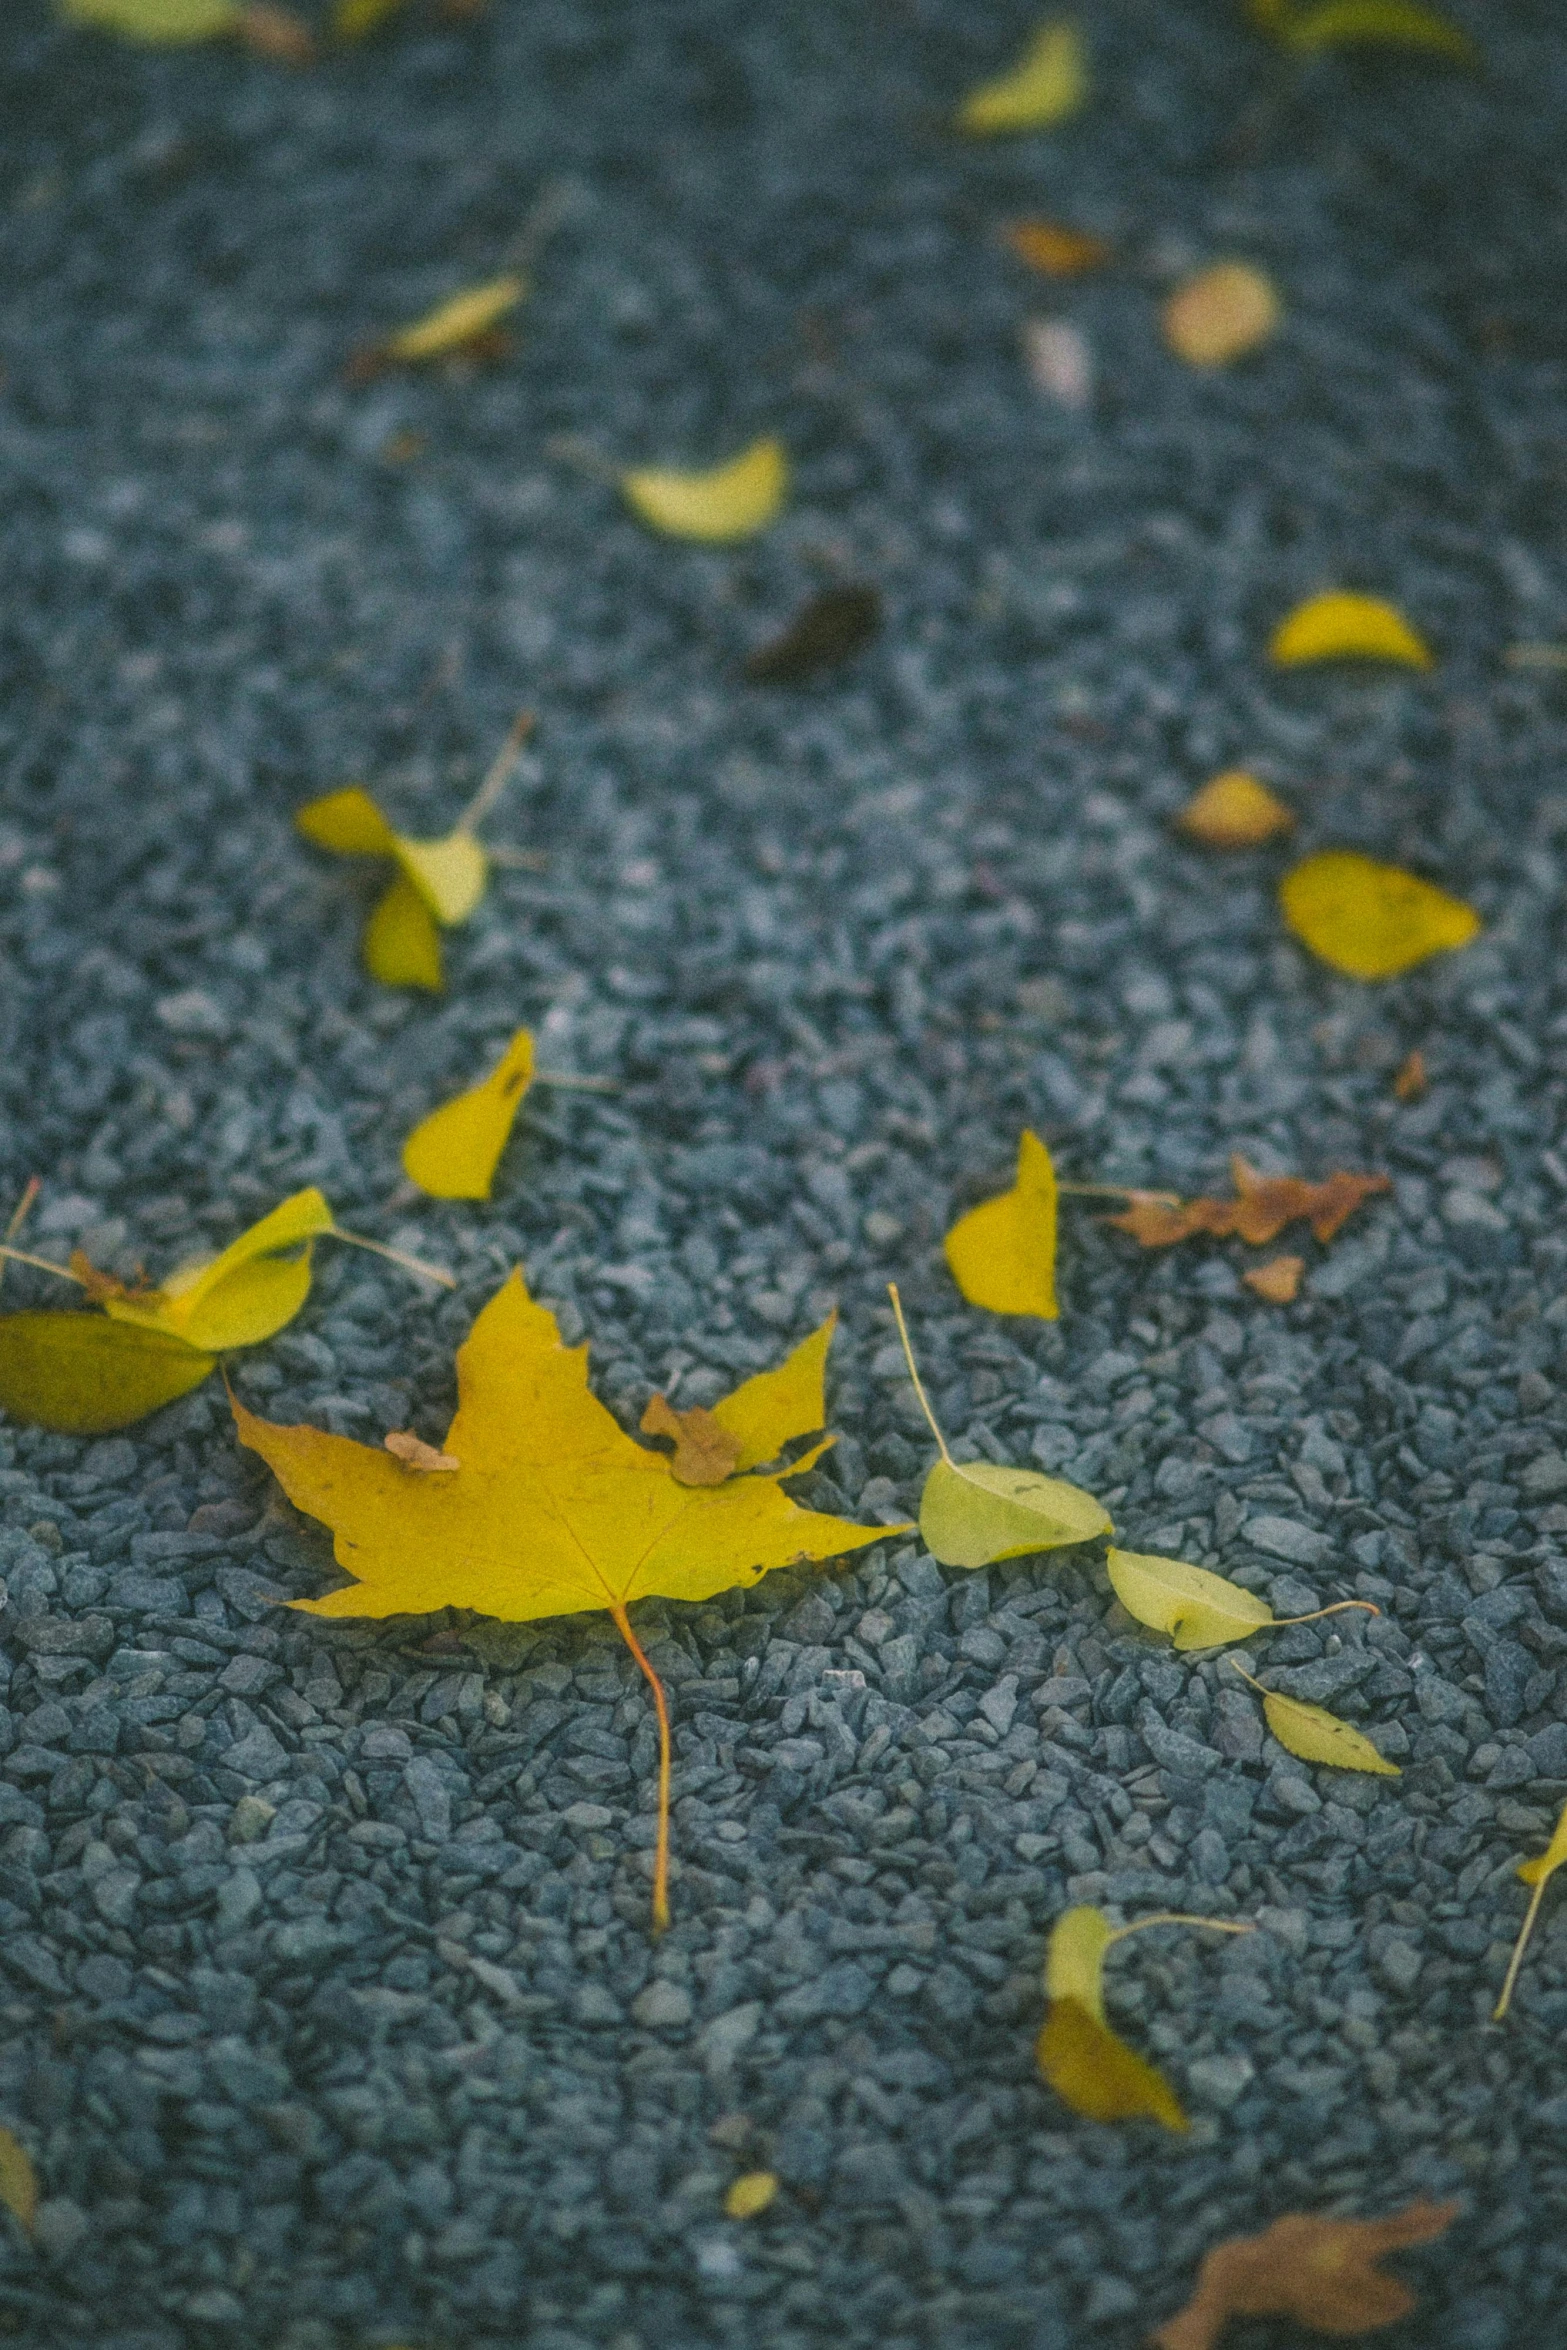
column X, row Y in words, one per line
column 1198, row 1609
column 18, row 2182
column 1003, row 1254
column 751, row 2194
column 449, row 874
column 353, row 19
column 402, row 947
column 1338, row 626
column 1535, row 1872
column 1368, row 920
column 455, row 1151
column 1234, row 811
column 157, row 20
column 1221, row 314
column 83, row 1375
column 1075, row 1958
column 1048, row 83
column 772, row 1408
column 1091, row 2069
column 1380, row 24
column 1316, row 1735
column 242, row 1296
column 733, row 501
column 554, row 1510
column 1538, row 1873
column 974, row 1512
column 457, row 320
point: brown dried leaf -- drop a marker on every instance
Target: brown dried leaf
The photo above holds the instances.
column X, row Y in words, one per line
column 1278, row 1280
column 835, row 624
column 277, row 35
column 1058, row 251
column 1263, row 1206
column 414, row 1453
column 1320, row 2270
column 1410, row 1083
column 705, row 1452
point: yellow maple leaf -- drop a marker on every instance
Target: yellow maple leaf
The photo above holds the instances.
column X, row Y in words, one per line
column 1047, row 85
column 554, row 1510
column 157, row 21
column 1371, row 921
column 1002, row 1254
column 437, row 881
column 1341, row 626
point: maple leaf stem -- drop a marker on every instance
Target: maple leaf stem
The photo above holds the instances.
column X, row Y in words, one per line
column 19, row 1256
column 1519, row 1947
column 661, row 1850
column 1180, row 1917
column 919, row 1384
column 499, row 775
column 397, row 1256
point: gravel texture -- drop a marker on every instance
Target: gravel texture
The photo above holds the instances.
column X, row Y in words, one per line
column 329, row 2010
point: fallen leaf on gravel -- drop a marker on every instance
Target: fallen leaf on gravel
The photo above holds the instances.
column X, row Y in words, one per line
column 975, row 1512
column 83, row 1376
column 830, row 628
column 1221, row 314
column 18, row 2182
column 1278, row 1280
column 414, row 1453
column 1197, row 1608
column 1538, row 1873
column 751, row 2194
column 1338, row 626
column 276, row 34
column 1262, row 1207
column 1368, row 920
column 1234, row 811
column 733, row 501
column 1059, row 360
column 1317, row 2269
column 1090, row 2067
column 270, row 31
column 353, row 19
column 237, row 1299
column 1410, row 1083
column 1372, row 24
column 454, row 1152
column 1055, row 250
column 438, row 881
column 464, row 322
column 555, row 1510
column 1048, row 83
column 1002, row 1254
column 705, row 1452
column 1317, row 1736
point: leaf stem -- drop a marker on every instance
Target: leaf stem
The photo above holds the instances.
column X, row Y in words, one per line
column 661, row 1851
column 1182, row 1917
column 19, row 1256
column 499, row 775
column 1241, row 1669
column 919, row 1384
column 1337, row 1609
column 414, row 1265
column 1118, row 1191
column 1519, row 1947
column 20, row 1213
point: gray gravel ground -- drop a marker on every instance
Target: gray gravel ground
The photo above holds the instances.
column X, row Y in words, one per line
column 329, row 2009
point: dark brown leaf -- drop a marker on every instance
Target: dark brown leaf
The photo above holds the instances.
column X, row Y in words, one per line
column 834, row 625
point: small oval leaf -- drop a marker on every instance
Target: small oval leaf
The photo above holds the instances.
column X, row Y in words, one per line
column 1320, row 1737
column 733, row 501
column 1343, row 627
column 973, row 1513
column 1197, row 1609
column 1368, row 920
column 1096, row 2073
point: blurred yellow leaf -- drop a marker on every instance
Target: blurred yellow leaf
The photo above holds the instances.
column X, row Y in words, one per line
column 751, row 2194
column 555, row 1510
column 1234, row 811
column 1054, row 249
column 457, row 321
column 1048, row 83
column 1338, row 626
column 733, row 501
column 1089, row 2067
column 18, row 2182
column 1002, row 1254
column 455, row 1151
column 353, row 19
column 157, row 20
column 975, row 1512
column 239, row 1298
column 82, row 1375
column 1316, row 1735
column 1538, row 1873
column 1221, row 314
column 1374, row 24
column 1368, row 920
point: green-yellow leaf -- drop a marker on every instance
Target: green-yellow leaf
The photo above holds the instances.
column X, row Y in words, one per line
column 750, row 2195
column 1320, row 1737
column 974, row 1512
column 1002, row 1254
column 353, row 19
column 1048, row 84
column 733, row 501
column 239, row 1298
column 18, row 2182
column 458, row 320
column 1338, row 626
column 1376, row 24
column 455, row 1151
column 1538, row 1873
column 1369, row 920
column 402, row 947
column 1089, row 2067
column 83, row 1375
column 157, row 21
column 437, row 881
column 1198, row 1609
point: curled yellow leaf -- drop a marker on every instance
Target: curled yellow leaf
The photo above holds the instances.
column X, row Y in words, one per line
column 461, row 319
column 1339, row 626
column 1369, row 920
column 454, row 1152
column 1375, row 24
column 243, row 1296
column 402, row 947
column 1002, row 1254
column 732, row 501
column 1048, row 84
column 1087, row 2064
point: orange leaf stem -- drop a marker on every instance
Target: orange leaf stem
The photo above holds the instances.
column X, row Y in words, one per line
column 661, row 1852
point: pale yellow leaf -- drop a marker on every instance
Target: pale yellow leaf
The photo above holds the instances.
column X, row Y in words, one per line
column 457, row 320
column 1221, row 314
column 437, row 881
column 733, row 501
column 84, row 1375
column 1197, row 1609
column 454, row 1152
column 751, row 2194
column 449, row 874
column 18, row 2181
column 975, row 1512
column 1369, row 920
column 1339, row 626
column 157, row 21
column 1048, row 84
column 1075, row 1958
column 1320, row 1737
column 1002, row 1254
column 1234, row 811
